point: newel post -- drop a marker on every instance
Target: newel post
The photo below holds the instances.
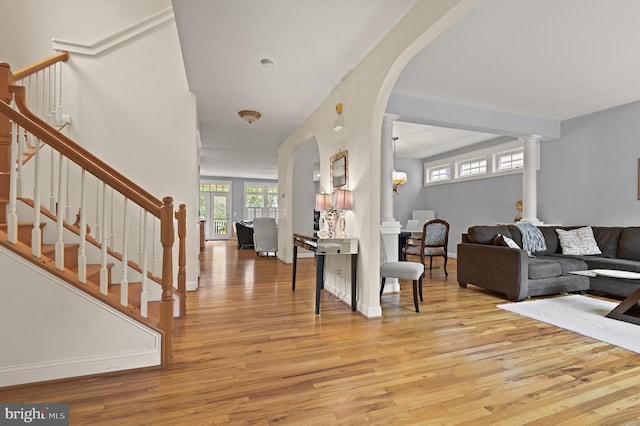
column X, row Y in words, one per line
column 6, row 80
column 166, row 306
column 181, row 216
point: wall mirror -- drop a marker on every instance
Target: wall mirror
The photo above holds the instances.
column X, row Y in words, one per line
column 339, row 170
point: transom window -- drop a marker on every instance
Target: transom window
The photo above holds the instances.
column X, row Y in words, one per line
column 438, row 174
column 473, row 167
column 510, row 161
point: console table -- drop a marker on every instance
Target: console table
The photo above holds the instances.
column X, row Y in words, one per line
column 322, row 247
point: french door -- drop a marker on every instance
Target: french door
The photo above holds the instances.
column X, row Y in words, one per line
column 215, row 209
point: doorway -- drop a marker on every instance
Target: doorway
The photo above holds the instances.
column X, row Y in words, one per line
column 215, row 208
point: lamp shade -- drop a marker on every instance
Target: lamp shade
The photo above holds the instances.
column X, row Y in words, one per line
column 343, row 199
column 323, row 202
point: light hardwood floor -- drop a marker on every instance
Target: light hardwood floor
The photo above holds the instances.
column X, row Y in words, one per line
column 252, row 352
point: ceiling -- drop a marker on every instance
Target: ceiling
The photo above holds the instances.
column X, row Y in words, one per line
column 540, row 58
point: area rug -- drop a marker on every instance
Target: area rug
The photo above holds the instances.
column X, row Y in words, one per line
column 583, row 315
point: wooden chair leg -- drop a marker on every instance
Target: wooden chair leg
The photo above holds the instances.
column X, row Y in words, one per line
column 446, row 274
column 420, row 288
column 430, row 262
column 415, row 295
column 382, row 286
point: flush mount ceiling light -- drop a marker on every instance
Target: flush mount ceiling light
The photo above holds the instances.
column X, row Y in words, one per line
column 249, row 116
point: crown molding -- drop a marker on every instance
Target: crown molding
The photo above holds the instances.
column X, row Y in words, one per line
column 117, row 38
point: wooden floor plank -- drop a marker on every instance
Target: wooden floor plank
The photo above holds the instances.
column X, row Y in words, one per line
column 251, row 351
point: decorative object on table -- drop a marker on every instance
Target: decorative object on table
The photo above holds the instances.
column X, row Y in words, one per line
column 518, row 217
column 339, row 170
column 332, row 221
column 433, row 242
column 323, row 204
column 342, row 202
column 399, row 178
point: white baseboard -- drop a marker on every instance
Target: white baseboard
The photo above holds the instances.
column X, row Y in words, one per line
column 60, row 369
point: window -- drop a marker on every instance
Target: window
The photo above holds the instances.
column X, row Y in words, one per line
column 509, row 160
column 260, row 200
column 437, row 174
column 472, row 167
column 495, row 160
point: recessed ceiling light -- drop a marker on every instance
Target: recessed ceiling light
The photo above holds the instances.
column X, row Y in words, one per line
column 267, row 63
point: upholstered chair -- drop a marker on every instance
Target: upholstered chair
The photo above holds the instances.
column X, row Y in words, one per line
column 265, row 235
column 433, row 242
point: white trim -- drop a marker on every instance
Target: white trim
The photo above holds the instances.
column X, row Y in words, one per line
column 97, row 47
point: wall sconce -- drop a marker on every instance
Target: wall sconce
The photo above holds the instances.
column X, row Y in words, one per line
column 338, row 124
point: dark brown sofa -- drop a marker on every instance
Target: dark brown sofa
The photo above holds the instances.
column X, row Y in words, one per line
column 517, row 275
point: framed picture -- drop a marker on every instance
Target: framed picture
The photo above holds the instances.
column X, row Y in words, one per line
column 339, row 170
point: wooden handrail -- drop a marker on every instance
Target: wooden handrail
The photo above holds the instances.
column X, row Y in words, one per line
column 39, row 66
column 181, row 216
column 78, row 154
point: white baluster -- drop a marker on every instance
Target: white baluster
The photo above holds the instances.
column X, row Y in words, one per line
column 124, row 283
column 20, row 156
column 52, row 198
column 82, row 256
column 144, row 297
column 12, row 216
column 112, row 235
column 141, row 236
column 36, row 232
column 60, row 219
column 98, row 231
column 67, row 208
column 153, row 249
column 104, row 272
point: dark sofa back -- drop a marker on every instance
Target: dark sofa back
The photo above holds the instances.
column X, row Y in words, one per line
column 613, row 241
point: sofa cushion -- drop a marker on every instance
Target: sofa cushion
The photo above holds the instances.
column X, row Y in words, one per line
column 569, row 263
column 484, row 234
column 607, row 238
column 629, row 244
column 599, row 262
column 578, row 241
column 543, row 268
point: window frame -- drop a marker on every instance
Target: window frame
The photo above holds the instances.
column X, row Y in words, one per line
column 269, row 191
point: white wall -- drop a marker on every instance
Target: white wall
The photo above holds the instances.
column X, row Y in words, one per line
column 304, row 188
column 364, row 94
column 51, row 330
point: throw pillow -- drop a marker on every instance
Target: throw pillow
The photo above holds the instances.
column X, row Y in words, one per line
column 501, row 240
column 578, row 241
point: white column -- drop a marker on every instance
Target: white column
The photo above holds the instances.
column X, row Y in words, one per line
column 389, row 227
column 386, row 169
column 529, row 179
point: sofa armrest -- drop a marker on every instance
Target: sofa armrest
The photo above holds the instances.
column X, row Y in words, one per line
column 496, row 268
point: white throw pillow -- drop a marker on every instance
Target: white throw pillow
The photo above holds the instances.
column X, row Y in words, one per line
column 510, row 242
column 578, row 241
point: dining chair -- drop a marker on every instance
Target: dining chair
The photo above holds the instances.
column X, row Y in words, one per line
column 433, row 242
column 402, row 270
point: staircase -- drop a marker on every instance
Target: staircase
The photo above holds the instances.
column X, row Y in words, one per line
column 114, row 214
